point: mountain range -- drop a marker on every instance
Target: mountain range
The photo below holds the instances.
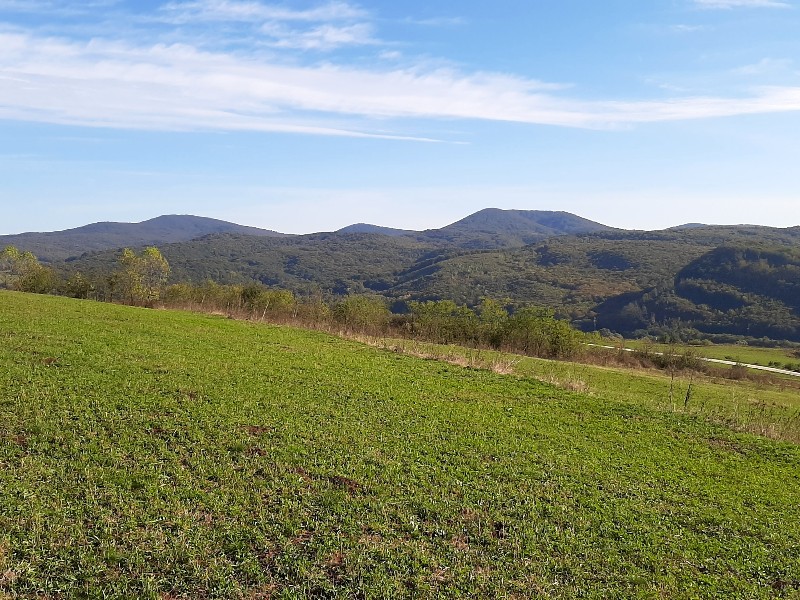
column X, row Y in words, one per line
column 60, row 245
column 696, row 279
column 488, row 228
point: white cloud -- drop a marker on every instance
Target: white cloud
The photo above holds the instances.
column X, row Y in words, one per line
column 324, row 27
column 765, row 66
column 726, row 4
column 438, row 22
column 682, row 28
column 235, row 10
column 322, row 37
column 180, row 87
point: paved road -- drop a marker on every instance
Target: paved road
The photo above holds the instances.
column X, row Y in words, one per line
column 718, row 361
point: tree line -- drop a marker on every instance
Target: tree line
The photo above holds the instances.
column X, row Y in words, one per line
column 141, row 279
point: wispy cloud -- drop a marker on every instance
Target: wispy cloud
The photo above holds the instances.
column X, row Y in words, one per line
column 179, row 87
column 727, row 4
column 324, row 27
column 437, row 21
column 242, row 11
column 63, row 8
column 199, row 83
column 766, row 65
column 322, row 37
column 683, row 28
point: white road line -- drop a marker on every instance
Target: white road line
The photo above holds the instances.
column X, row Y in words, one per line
column 714, row 360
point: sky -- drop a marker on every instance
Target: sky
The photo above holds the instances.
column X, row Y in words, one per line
column 302, row 116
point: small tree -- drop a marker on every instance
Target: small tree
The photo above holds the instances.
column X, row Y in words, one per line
column 21, row 271
column 362, row 313
column 493, row 318
column 78, row 286
column 141, row 278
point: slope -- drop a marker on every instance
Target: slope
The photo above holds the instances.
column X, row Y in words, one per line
column 60, row 245
column 192, row 456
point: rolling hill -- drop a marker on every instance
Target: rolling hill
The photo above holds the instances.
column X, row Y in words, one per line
column 60, row 245
column 703, row 280
column 169, row 454
column 367, row 228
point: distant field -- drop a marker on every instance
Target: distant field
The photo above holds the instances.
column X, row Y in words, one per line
column 172, row 455
column 771, row 409
column 744, row 354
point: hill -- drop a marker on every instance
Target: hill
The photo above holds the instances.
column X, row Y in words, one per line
column 493, row 228
column 60, row 245
column 521, row 222
column 367, row 228
column 496, row 228
column 612, row 279
column 631, row 282
column 194, row 456
column 490, row 228
column 751, row 291
column 624, row 281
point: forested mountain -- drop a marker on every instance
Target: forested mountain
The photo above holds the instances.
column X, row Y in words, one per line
column 735, row 280
column 493, row 228
column 334, row 263
column 367, row 228
column 525, row 223
column 60, row 245
column 489, row 228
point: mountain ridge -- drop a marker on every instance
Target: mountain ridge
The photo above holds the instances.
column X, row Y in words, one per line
column 486, row 229
column 50, row 246
column 714, row 280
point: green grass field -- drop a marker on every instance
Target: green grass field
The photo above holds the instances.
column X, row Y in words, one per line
column 779, row 357
column 768, row 405
column 169, row 455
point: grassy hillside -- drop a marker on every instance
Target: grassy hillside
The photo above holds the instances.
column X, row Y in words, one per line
column 168, row 455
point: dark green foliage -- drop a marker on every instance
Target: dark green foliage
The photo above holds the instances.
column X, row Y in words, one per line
column 683, row 283
column 362, row 314
column 528, row 330
column 770, row 272
column 749, row 291
column 21, row 271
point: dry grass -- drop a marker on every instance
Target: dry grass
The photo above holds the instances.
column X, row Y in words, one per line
column 468, row 358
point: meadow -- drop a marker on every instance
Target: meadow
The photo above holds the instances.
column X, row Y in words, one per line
column 161, row 454
column 754, row 355
column 759, row 403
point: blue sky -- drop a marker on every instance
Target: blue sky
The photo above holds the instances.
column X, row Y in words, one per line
column 306, row 116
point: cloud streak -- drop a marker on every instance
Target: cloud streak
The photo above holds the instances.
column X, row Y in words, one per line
column 242, row 11
column 728, row 4
column 121, row 84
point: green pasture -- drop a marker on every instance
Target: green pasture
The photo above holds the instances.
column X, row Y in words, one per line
column 753, row 355
column 156, row 454
column 768, row 405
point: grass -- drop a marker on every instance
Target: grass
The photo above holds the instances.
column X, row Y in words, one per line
column 753, row 355
column 159, row 454
column 766, row 405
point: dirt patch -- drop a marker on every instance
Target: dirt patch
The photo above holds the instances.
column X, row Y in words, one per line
column 350, row 485
column 334, row 566
column 257, row 429
column 726, row 445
